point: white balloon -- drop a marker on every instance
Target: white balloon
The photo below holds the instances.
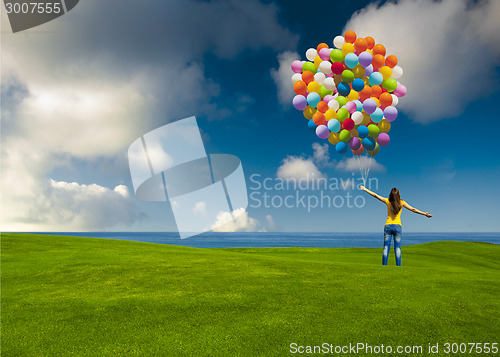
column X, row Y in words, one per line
column 311, row 54
column 338, row 41
column 325, row 67
column 329, row 83
column 397, row 72
column 319, row 78
column 395, row 100
column 357, row 117
column 333, row 104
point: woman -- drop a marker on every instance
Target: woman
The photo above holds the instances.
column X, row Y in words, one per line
column 393, row 227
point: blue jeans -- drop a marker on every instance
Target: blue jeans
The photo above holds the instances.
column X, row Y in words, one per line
column 392, row 231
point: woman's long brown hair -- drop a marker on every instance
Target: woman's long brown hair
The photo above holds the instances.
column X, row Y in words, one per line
column 395, row 200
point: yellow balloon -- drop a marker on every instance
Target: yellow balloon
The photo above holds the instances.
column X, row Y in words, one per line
column 317, row 61
column 367, row 82
column 333, row 138
column 359, row 71
column 353, row 95
column 386, row 72
column 384, row 126
column 313, row 87
column 309, row 112
column 366, row 119
column 330, row 114
column 354, row 133
column 337, row 79
column 347, row 48
column 369, row 51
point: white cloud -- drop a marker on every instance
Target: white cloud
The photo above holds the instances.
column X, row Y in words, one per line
column 321, row 154
column 200, row 207
column 295, row 167
column 354, row 164
column 70, row 90
column 237, row 221
column 282, row 77
column 448, row 49
column 272, row 226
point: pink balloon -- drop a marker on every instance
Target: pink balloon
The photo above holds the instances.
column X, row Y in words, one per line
column 351, row 107
column 360, row 151
column 328, row 98
column 383, row 139
column 400, row 90
column 324, row 54
column 297, row 66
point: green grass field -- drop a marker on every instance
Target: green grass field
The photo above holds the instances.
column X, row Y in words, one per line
column 73, row 296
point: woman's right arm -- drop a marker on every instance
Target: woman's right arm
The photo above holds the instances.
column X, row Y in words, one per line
column 371, row 193
column 414, row 210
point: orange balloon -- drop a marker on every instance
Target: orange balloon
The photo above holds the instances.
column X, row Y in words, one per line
column 319, row 118
column 350, row 36
column 370, row 42
column 391, row 61
column 360, row 45
column 320, row 46
column 376, row 91
column 385, row 99
column 365, row 93
column 379, row 49
column 300, row 87
column 323, row 106
column 307, row 77
column 378, row 61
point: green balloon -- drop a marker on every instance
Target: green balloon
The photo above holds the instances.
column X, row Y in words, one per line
column 390, row 84
column 342, row 100
column 342, row 114
column 309, row 66
column 374, row 151
column 323, row 91
column 336, row 55
column 373, row 131
column 345, row 136
column 347, row 76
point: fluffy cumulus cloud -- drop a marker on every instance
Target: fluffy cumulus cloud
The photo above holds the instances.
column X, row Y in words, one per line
column 282, row 77
column 240, row 221
column 363, row 163
column 449, row 50
column 73, row 91
column 297, row 167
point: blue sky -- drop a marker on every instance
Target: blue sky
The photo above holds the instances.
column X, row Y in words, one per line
column 78, row 90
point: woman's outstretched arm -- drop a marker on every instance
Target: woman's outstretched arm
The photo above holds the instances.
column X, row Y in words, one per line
column 378, row 197
column 414, row 210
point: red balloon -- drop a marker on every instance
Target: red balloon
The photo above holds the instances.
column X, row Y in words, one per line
column 338, row 67
column 348, row 124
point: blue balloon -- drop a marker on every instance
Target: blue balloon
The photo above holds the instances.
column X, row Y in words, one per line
column 341, row 147
column 344, row 89
column 363, row 131
column 368, row 143
column 351, row 60
column 334, row 125
column 313, row 99
column 357, row 85
column 375, row 79
column 311, row 125
column 377, row 115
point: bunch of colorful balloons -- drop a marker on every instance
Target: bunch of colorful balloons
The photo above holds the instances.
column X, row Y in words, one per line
column 349, row 93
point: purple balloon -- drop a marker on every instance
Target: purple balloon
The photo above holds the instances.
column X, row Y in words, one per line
column 383, row 139
column 368, row 70
column 324, row 54
column 365, row 59
column 322, row 131
column 400, row 90
column 390, row 113
column 299, row 102
column 297, row 66
column 354, row 143
column 369, row 105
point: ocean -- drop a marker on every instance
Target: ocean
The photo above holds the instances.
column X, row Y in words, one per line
column 283, row 239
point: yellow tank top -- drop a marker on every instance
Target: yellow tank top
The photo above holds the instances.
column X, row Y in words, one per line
column 391, row 218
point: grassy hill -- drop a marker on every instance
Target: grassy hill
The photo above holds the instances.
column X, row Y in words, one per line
column 74, row 296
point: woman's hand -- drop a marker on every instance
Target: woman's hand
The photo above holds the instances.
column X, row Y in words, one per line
column 361, row 187
column 428, row 214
